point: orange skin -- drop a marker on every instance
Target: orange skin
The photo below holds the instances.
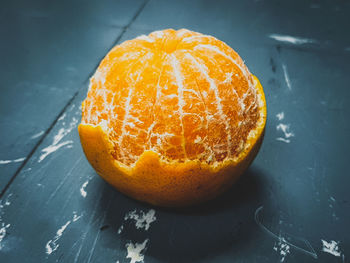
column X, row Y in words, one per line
column 165, row 183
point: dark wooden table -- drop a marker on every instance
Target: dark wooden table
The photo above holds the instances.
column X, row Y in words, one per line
column 292, row 205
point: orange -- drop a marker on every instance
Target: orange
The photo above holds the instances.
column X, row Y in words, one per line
column 172, row 118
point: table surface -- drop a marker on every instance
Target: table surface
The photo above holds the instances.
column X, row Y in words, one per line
column 292, row 205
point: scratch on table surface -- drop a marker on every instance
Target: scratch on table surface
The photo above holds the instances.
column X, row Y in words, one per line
column 99, row 231
column 64, row 180
column 286, row 76
column 311, row 252
column 72, row 248
column 68, row 199
column 12, row 161
column 83, row 236
column 27, row 170
column 292, row 39
column 81, row 246
column 94, row 244
column 42, row 171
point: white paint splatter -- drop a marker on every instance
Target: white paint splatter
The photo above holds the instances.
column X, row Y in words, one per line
column 75, row 217
column 120, row 229
column 7, row 201
column 142, row 219
column 134, row 251
column 62, row 117
column 52, row 244
column 82, row 189
column 286, row 77
column 37, row 135
column 331, row 247
column 283, row 139
column 280, row 116
column 292, row 40
column 3, row 225
column 3, row 232
column 12, row 161
column 331, row 204
column 285, row 129
column 282, row 248
column 57, row 138
column 52, row 148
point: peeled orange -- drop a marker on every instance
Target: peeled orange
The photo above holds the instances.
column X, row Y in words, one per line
column 172, row 118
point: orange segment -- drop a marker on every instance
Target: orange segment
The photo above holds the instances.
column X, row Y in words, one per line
column 168, row 115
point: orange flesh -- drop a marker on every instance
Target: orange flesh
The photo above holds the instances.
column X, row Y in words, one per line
column 181, row 94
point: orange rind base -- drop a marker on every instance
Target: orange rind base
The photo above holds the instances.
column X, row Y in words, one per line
column 164, row 183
